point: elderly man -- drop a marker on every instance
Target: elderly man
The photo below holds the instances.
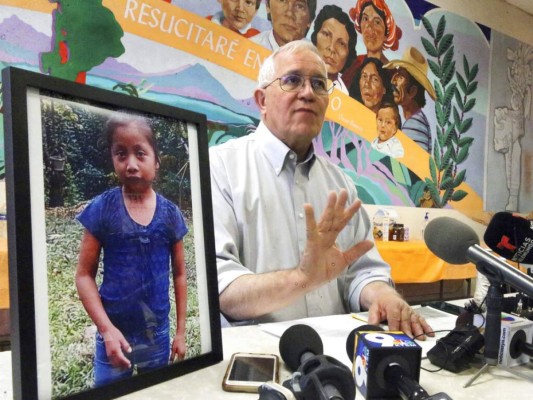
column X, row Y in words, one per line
column 291, row 19
column 276, row 260
column 410, row 83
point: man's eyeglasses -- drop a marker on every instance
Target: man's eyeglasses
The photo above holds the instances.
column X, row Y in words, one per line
column 294, row 82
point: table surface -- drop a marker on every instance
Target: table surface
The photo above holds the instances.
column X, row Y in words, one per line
column 206, row 383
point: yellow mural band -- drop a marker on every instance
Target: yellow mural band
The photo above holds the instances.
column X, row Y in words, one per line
column 172, row 26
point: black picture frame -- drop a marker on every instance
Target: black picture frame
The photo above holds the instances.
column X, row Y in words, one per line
column 23, row 94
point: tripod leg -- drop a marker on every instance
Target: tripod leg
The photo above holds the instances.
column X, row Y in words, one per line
column 478, row 373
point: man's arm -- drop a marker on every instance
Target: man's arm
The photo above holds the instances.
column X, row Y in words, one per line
column 253, row 295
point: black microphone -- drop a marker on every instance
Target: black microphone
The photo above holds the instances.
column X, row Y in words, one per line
column 316, row 376
column 386, row 364
column 510, row 236
column 457, row 243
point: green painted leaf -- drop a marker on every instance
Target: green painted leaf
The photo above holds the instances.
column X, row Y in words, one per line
column 463, row 154
column 466, row 68
column 466, row 141
column 469, row 105
column 447, row 183
column 450, row 90
column 440, row 28
column 471, row 88
column 432, row 169
column 459, row 101
column 461, row 81
column 428, row 46
column 473, row 73
column 445, row 43
column 459, row 195
column 428, row 27
column 449, row 75
column 434, row 67
column 447, row 157
column 459, row 178
column 465, row 125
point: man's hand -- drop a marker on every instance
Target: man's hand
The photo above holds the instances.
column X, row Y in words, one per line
column 322, row 260
column 115, row 346
column 388, row 305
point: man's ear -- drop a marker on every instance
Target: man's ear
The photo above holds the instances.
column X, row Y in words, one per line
column 413, row 90
column 259, row 96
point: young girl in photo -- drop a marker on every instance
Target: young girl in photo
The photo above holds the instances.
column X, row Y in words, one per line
column 140, row 234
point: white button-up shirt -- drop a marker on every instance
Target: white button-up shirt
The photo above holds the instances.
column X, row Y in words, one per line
column 259, row 190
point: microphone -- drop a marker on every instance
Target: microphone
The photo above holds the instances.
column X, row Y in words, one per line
column 457, row 243
column 510, row 236
column 316, row 376
column 386, row 364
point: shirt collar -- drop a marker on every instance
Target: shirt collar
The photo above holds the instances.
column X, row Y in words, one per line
column 278, row 153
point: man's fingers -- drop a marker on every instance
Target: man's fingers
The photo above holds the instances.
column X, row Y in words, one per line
column 357, row 250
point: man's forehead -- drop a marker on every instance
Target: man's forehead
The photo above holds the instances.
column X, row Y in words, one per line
column 304, row 61
column 304, row 2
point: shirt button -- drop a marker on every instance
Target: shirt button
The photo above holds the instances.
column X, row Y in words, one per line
column 301, row 216
column 291, row 156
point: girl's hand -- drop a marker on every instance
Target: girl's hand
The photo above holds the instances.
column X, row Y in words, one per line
column 115, row 346
column 178, row 348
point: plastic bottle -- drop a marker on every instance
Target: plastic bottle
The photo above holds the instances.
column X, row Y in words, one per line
column 426, row 220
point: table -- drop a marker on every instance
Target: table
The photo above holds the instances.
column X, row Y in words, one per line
column 206, row 383
column 413, row 262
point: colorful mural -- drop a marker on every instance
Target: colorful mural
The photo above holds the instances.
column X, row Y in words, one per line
column 204, row 56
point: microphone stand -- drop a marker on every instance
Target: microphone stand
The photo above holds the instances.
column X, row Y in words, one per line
column 493, row 324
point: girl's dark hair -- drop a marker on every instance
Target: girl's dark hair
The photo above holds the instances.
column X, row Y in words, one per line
column 122, row 119
column 333, row 11
column 355, row 90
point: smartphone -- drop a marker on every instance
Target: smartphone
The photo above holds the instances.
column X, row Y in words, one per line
column 247, row 371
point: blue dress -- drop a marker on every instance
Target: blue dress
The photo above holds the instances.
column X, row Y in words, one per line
column 136, row 259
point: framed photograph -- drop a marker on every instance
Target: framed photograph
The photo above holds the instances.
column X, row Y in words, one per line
column 112, row 266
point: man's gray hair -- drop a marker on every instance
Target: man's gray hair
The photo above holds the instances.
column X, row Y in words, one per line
column 267, row 72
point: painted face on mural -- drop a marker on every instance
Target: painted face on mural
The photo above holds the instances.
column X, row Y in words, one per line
column 237, row 13
column 373, row 29
column 290, row 19
column 371, row 86
column 294, row 117
column 386, row 123
column 401, row 84
column 332, row 43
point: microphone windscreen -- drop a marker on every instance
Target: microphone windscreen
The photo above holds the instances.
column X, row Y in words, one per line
column 450, row 239
column 511, row 237
column 296, row 341
column 350, row 340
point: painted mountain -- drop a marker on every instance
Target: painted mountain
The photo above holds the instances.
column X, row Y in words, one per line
column 191, row 87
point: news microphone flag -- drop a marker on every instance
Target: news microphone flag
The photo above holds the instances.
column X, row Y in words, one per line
column 510, row 236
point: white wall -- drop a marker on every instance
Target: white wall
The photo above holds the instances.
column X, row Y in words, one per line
column 495, row 14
